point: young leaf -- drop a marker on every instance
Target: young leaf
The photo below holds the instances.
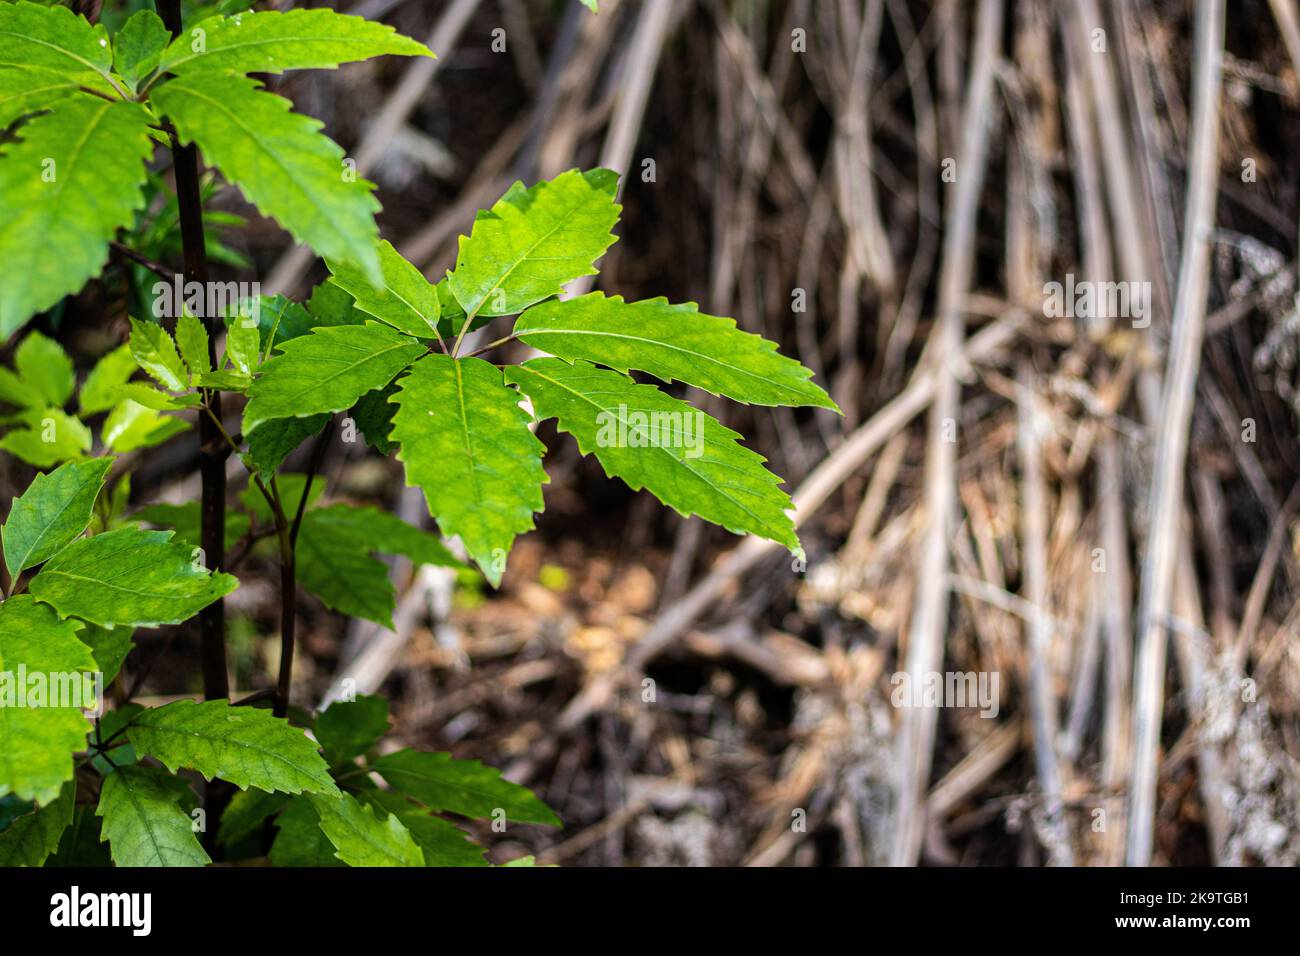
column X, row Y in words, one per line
column 54, row 436
column 101, row 389
column 192, row 339
column 244, row 745
column 465, row 442
column 673, row 343
column 15, row 391
column 128, row 576
column 348, row 728
column 55, row 39
column 144, row 823
column 275, row 42
column 281, row 162
column 53, row 510
column 244, row 346
column 406, row 300
column 42, row 362
column 361, row 837
column 33, row 837
column 37, row 743
column 328, row 371
column 466, row 787
column 138, row 46
column 72, row 181
column 131, row 425
column 299, row 840
column 155, row 352
column 686, row 459
column 515, row 257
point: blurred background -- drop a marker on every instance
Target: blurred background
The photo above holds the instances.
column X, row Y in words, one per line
column 1090, row 510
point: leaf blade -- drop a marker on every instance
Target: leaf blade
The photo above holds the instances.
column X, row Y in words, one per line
column 55, row 508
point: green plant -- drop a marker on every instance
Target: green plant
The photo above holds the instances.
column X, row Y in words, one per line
column 377, row 342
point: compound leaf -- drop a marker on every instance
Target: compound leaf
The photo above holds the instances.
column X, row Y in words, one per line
column 685, row 458
column 674, row 343
column 247, row 746
column 465, row 442
column 131, row 577
column 144, row 822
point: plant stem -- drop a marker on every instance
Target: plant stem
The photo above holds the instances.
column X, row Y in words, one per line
column 212, row 456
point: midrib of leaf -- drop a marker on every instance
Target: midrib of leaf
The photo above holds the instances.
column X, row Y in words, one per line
column 361, row 835
column 369, row 356
column 252, row 135
column 144, row 817
column 270, row 40
column 64, row 50
column 660, row 343
column 262, row 752
column 76, row 155
column 464, row 429
column 680, row 461
column 108, row 584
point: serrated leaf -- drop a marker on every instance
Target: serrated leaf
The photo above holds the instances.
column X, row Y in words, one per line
column 273, row 441
column 192, row 340
column 54, row 436
column 516, row 257
column 55, row 39
column 131, row 577
column 466, row 787
column 465, row 442
column 300, row 841
column 328, row 371
column 155, row 352
column 685, row 458
column 363, row 838
column 17, row 392
column 138, row 46
column 37, row 743
column 406, row 300
column 373, row 414
column 348, row 728
column 274, row 42
column 73, row 181
column 244, row 346
column 227, row 380
column 674, row 343
column 101, row 389
column 143, row 821
column 27, row 89
column 53, row 510
column 247, row 746
column 371, row 529
column 246, row 814
column 33, row 837
column 131, row 425
column 281, row 162
column 442, row 842
column 42, row 362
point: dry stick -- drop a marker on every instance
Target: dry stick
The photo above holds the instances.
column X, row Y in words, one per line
column 288, row 271
column 1171, row 446
column 1288, row 22
column 1042, row 701
column 915, row 739
column 833, row 471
